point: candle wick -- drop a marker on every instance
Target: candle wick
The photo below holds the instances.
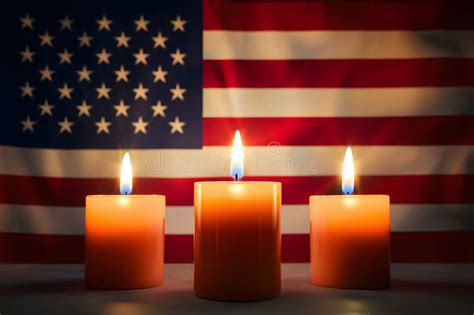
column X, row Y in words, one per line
column 236, row 178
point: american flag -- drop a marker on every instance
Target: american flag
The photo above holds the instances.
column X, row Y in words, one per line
column 171, row 81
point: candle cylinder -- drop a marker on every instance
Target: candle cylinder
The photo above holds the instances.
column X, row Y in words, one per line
column 124, row 246
column 237, row 240
column 350, row 241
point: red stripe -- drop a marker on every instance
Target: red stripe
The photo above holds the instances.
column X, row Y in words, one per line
column 406, row 247
column 421, row 130
column 421, row 189
column 339, row 73
column 337, row 15
column 433, row 246
column 24, row 248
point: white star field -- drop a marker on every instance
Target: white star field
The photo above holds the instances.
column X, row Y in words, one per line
column 85, row 74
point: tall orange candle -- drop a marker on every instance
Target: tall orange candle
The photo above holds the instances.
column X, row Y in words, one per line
column 350, row 237
column 124, row 238
column 237, row 237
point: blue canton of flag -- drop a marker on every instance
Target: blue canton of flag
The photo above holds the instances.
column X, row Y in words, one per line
column 102, row 74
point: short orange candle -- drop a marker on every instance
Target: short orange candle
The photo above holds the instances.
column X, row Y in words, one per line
column 350, row 238
column 237, row 239
column 124, row 246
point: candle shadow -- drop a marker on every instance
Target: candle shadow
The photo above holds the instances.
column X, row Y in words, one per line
column 43, row 287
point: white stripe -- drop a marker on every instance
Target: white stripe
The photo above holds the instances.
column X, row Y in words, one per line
column 269, row 45
column 180, row 220
column 335, row 102
column 273, row 160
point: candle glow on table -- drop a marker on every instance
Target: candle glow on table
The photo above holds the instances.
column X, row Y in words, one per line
column 237, row 236
column 350, row 237
column 124, row 246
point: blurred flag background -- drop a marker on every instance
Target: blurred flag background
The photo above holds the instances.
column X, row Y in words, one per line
column 170, row 82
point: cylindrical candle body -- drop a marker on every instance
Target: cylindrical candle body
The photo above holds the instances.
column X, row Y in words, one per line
column 237, row 240
column 350, row 241
column 124, row 241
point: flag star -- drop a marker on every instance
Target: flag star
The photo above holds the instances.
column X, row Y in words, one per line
column 122, row 40
column 140, row 92
column 140, row 125
column 177, row 126
column 104, row 23
column 122, row 74
column 27, row 90
column 46, row 108
column 178, row 24
column 103, row 57
column 65, row 92
column 84, row 40
column 84, row 74
column 159, row 75
column 103, row 91
column 159, row 41
column 140, row 57
column 141, row 24
column 27, row 55
column 84, row 109
column 177, row 92
column 159, row 109
column 46, row 74
column 65, row 57
column 27, row 22
column 121, row 109
column 103, row 125
column 66, row 23
column 178, row 57
column 65, row 125
column 46, row 39
column 28, row 124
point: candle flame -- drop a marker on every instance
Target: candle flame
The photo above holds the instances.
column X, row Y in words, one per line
column 348, row 173
column 237, row 162
column 126, row 175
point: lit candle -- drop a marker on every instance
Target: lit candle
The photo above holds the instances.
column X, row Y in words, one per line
column 124, row 238
column 237, row 236
column 350, row 237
